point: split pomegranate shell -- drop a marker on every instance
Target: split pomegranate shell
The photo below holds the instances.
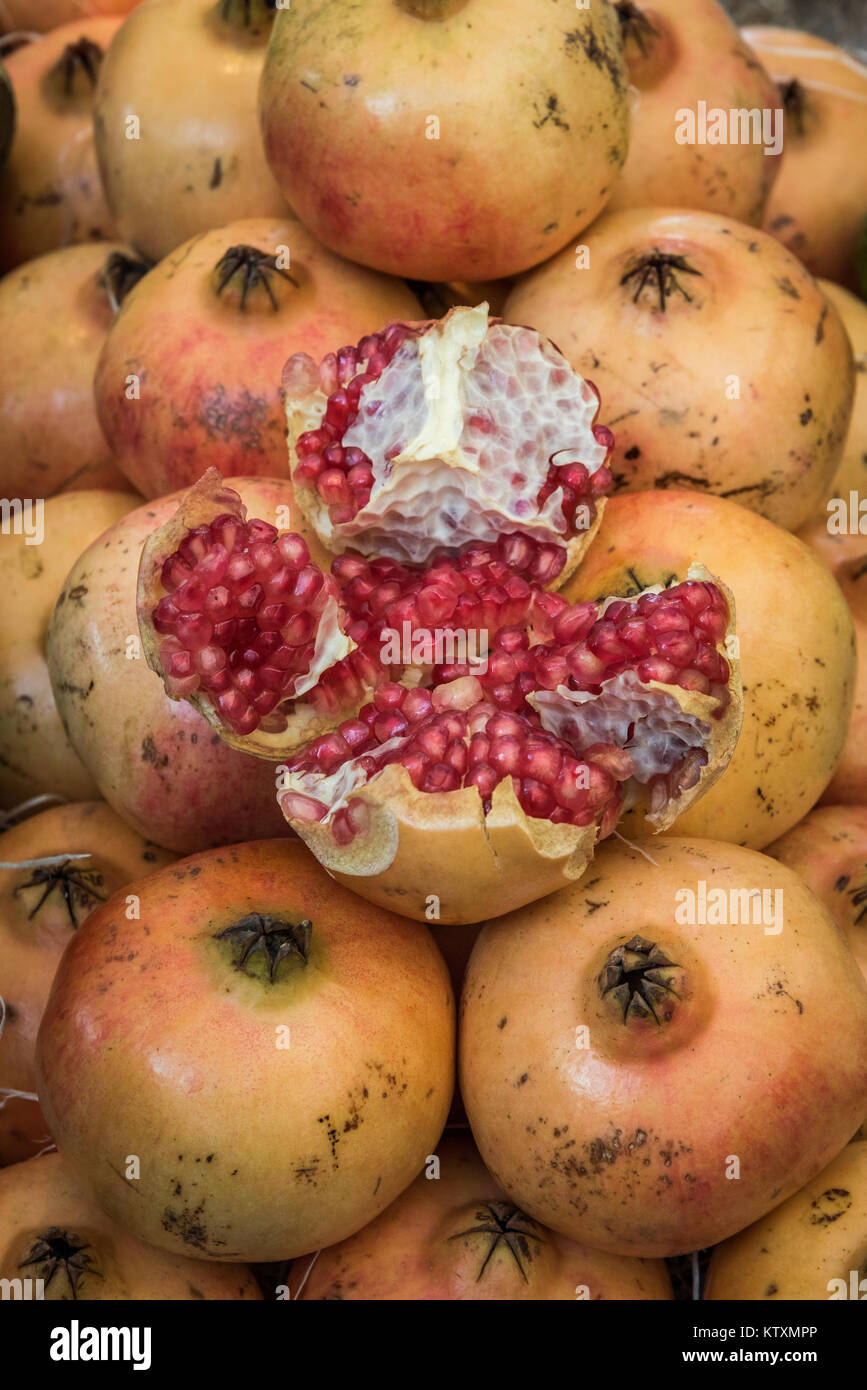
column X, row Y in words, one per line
column 433, row 436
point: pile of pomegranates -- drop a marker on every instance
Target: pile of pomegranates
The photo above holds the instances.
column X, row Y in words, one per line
column 433, row 711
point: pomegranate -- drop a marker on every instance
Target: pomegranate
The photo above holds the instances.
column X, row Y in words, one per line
column 631, row 1045
column 42, row 15
column 54, row 314
column 156, row 762
column 51, row 1229
column 72, row 858
column 817, row 205
column 50, row 193
column 676, row 319
column 852, row 472
column 278, row 1054
column 446, row 139
column 795, row 640
column 812, row 1247
column 690, row 59
column 574, row 711
column 828, row 848
column 846, row 558
column 36, row 757
column 454, row 1235
column 175, row 121
column 207, row 334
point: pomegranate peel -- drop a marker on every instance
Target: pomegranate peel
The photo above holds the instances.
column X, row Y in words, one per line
column 433, row 436
column 193, row 666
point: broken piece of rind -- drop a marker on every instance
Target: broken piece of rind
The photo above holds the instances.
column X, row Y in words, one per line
column 437, row 493
column 201, row 504
column 439, row 858
column 716, row 735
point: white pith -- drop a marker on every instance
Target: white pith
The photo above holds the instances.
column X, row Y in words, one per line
column 450, row 483
column 331, row 646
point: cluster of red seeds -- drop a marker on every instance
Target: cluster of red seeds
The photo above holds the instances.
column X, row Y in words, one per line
column 444, row 749
column 344, row 477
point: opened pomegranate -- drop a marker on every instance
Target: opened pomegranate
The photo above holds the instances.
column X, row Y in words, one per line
column 828, row 848
column 446, row 139
column 51, row 1229
column 677, row 57
column 203, row 341
column 454, row 1235
column 676, row 318
column 50, row 193
column 54, row 314
column 812, row 1247
column 36, row 757
column 155, row 761
column 795, row 639
column 845, row 555
column 278, row 1054
column 816, row 207
column 645, row 1058
column 42, row 15
column 90, row 854
column 177, row 139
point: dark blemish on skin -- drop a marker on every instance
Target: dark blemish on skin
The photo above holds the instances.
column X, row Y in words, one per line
column 784, row 283
column 805, row 416
column 378, row 1182
column 522, row 1079
column 770, row 1290
column 502, row 1023
column 308, row 86
column 552, row 113
column 352, row 81
column 838, row 1197
column 593, row 907
column 551, row 227
column 150, row 755
column 633, row 453
column 242, row 417
column 820, row 326
column 841, row 883
column 194, row 1292
column 217, row 175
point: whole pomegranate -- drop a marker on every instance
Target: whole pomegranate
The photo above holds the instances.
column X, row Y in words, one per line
column 54, row 314
column 42, row 15
column 36, row 757
column 846, row 557
column 51, row 1229
column 156, row 762
column 206, row 335
column 446, row 139
column 91, row 854
column 795, row 639
column 681, row 60
column 454, row 1235
column 435, row 451
column 852, row 472
column 812, row 1247
column 175, row 121
column 828, row 848
column 676, row 318
column 278, row 1054
column 817, row 205
column 663, row 1073
column 50, row 192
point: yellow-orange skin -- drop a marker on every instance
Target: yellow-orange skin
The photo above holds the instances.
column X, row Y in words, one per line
column 817, row 1236
column 44, row 1194
column 50, row 191
column 33, row 935
column 665, row 378
column 191, row 80
column 818, row 204
column 852, row 472
column 533, row 129
column 156, row 761
column 846, row 558
column 696, row 54
column 210, row 372
column 416, row 1250
column 36, row 756
column 796, row 642
column 622, row 1136
column 829, row 851
column 42, row 15
column 255, row 1143
column 54, row 315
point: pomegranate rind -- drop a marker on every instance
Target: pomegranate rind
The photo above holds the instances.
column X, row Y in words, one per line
column 205, row 500
column 438, row 857
column 722, row 732
column 438, row 492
